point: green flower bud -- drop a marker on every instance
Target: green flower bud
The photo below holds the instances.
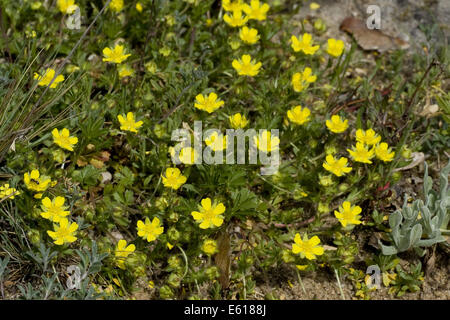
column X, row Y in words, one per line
column 161, row 203
column 323, row 207
column 212, row 273
column 165, row 292
column 174, row 262
column 343, row 187
column 173, row 217
column 173, row 234
column 326, row 180
column 174, row 280
column 406, row 152
column 320, row 25
column 34, row 236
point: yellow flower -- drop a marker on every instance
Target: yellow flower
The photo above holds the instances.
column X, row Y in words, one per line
column 122, row 251
column 230, row 5
column 236, row 20
column 169, row 246
column 54, row 210
column 304, row 44
column 139, row 7
column 116, row 5
column 301, row 267
column 188, row 155
column 255, row 10
column 299, row 115
column 66, row 6
column 335, row 47
column 238, row 121
column 383, row 152
column 125, row 71
column 115, row 55
column 7, row 192
column 45, row 79
column 361, row 153
column 208, row 103
column 149, row 230
column 35, row 182
column 209, row 216
column 129, row 124
column 336, row 124
column 63, row 139
column 246, row 67
column 173, row 179
column 64, row 232
column 209, row 247
column 314, row 6
column 307, row 248
column 265, row 142
column 216, row 141
column 249, row 35
column 368, row 137
column 336, row 166
column 301, row 81
column 348, row 214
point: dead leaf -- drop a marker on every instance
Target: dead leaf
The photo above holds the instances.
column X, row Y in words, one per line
column 371, row 39
column 223, row 258
column 81, row 162
column 417, row 158
column 96, row 163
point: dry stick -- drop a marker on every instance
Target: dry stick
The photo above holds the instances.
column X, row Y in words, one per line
column 58, row 71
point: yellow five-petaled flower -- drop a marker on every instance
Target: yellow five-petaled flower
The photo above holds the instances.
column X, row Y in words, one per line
column 115, row 55
column 173, row 178
column 238, row 121
column 7, row 192
column 149, row 230
column 336, row 124
column 48, row 76
column 208, row 103
column 249, row 35
column 299, row 115
column 300, row 81
column 129, row 123
column 54, row 210
column 256, row 10
column 122, row 251
column 216, row 141
column 209, row 215
column 307, row 248
column 348, row 214
column 66, row 6
column 64, row 232
column 266, row 142
column 236, row 19
column 383, row 152
column 232, row 5
column 304, row 43
column 361, row 153
column 335, row 47
column 63, row 139
column 336, row 166
column 35, row 182
column 246, row 67
column 368, row 137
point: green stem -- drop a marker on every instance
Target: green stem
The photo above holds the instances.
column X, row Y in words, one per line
column 339, row 284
